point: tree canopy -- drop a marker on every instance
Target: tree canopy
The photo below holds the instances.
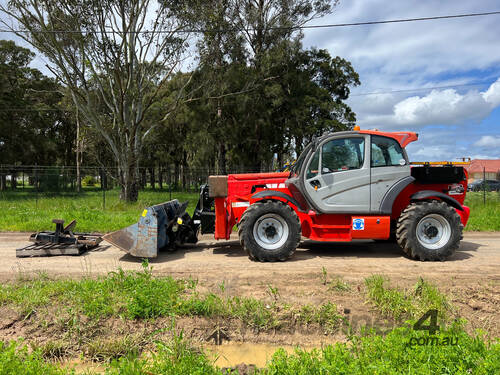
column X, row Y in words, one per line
column 251, row 99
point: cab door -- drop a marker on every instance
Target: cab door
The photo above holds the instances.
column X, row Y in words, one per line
column 337, row 177
column 389, row 164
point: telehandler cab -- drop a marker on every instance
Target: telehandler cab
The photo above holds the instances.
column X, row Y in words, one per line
column 344, row 186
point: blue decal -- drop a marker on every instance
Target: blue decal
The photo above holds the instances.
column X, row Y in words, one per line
column 358, row 224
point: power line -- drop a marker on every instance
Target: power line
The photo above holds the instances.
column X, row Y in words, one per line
column 304, row 27
column 360, row 94
column 403, row 20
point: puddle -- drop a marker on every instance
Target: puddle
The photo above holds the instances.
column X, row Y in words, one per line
column 229, row 354
column 235, row 353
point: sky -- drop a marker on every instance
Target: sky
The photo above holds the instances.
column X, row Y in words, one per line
column 452, row 122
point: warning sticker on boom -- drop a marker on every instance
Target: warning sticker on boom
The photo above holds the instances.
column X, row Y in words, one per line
column 358, row 224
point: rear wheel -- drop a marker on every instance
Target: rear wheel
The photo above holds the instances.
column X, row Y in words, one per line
column 269, row 231
column 429, row 230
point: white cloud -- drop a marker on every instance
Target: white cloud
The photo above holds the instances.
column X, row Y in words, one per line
column 414, row 55
column 492, row 95
column 489, row 141
column 411, row 52
column 439, row 107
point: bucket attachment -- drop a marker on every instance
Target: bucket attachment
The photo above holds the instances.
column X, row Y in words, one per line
column 162, row 226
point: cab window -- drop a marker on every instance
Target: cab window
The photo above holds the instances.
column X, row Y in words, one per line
column 386, row 152
column 313, row 166
column 342, row 154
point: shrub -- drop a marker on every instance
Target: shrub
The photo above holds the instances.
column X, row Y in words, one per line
column 89, row 181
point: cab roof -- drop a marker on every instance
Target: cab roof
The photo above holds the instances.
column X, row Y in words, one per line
column 404, row 138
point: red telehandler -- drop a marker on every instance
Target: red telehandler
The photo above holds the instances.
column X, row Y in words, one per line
column 344, row 186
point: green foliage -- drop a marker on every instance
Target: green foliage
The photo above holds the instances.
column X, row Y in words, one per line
column 254, row 313
column 21, row 211
column 50, row 179
column 106, row 350
column 401, row 351
column 139, row 295
column 406, row 304
column 51, row 350
column 326, row 315
column 16, row 358
column 483, row 217
column 29, row 136
column 339, row 285
column 174, row 358
column 89, row 181
column 393, row 354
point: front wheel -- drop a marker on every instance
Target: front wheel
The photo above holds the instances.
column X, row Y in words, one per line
column 429, row 230
column 269, row 231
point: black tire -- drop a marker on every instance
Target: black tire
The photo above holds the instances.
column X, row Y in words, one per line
column 273, row 210
column 412, row 238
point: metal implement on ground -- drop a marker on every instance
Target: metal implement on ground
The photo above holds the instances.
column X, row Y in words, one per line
column 163, row 226
column 63, row 241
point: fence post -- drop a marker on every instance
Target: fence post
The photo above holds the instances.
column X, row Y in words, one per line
column 484, row 185
column 103, row 190
column 36, row 187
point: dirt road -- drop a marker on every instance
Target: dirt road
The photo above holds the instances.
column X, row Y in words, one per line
column 471, row 278
column 477, row 259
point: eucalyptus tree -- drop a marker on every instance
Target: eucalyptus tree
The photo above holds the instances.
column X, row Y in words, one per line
column 114, row 56
column 269, row 28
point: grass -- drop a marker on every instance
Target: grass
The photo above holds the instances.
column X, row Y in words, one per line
column 16, row 358
column 138, row 295
column 21, row 211
column 484, row 217
column 392, row 354
column 407, row 304
column 106, row 350
column 398, row 352
column 336, row 284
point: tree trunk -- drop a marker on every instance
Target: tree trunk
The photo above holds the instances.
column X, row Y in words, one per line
column 3, row 182
column 78, row 153
column 176, row 176
column 222, row 159
column 104, row 180
column 152, row 177
column 279, row 160
column 184, row 170
column 13, row 180
column 128, row 181
column 143, row 178
column 160, row 177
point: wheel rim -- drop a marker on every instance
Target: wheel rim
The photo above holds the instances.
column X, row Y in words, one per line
column 433, row 231
column 270, row 231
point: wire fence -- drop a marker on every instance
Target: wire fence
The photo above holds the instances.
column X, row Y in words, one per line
column 71, row 179
column 37, row 181
column 61, row 179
